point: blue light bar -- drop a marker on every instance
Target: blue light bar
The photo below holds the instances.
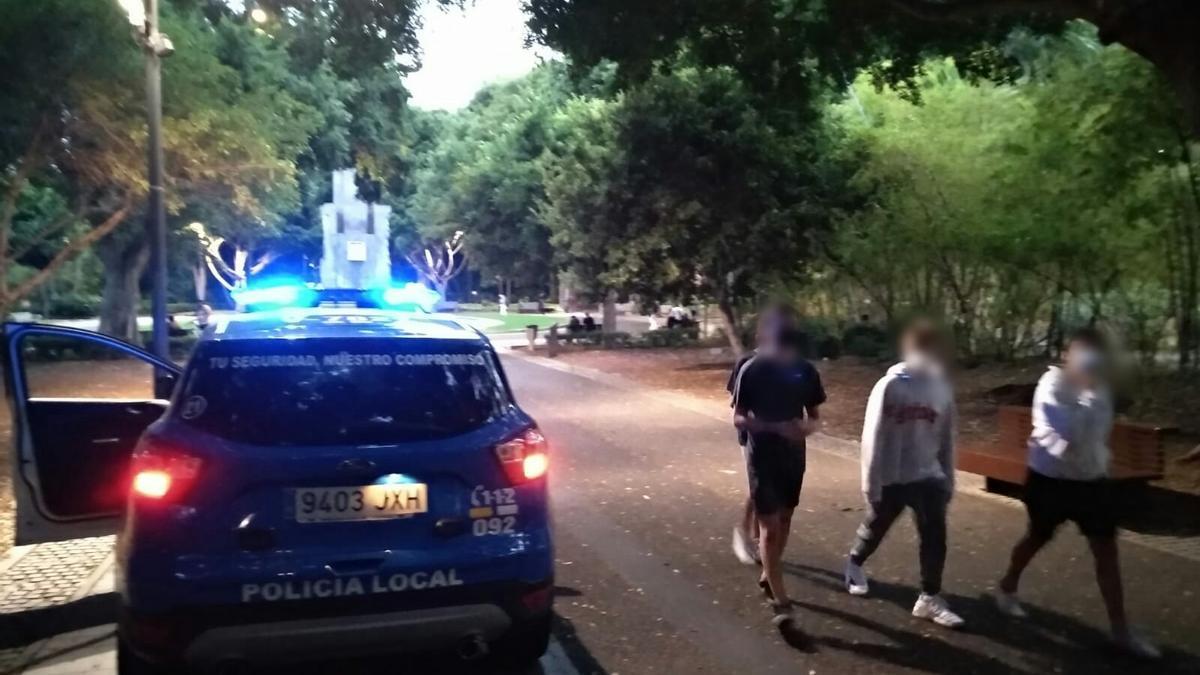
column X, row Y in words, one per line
column 292, row 295
column 411, row 294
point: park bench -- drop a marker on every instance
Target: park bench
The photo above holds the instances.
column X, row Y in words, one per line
column 1137, row 450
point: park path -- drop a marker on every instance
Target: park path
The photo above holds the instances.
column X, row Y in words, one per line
column 646, row 485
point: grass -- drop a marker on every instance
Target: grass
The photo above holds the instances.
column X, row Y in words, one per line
column 514, row 322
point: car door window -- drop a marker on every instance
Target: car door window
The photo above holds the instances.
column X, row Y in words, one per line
column 86, row 401
column 59, row 366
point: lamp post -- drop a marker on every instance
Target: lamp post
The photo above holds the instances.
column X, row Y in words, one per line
column 143, row 16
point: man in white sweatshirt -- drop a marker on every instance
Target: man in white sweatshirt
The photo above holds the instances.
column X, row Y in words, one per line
column 1068, row 479
column 908, row 462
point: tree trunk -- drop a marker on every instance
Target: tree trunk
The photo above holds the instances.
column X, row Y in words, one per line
column 608, row 321
column 200, row 279
column 123, row 267
column 729, row 324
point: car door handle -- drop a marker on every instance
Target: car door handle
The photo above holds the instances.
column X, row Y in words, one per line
column 106, row 441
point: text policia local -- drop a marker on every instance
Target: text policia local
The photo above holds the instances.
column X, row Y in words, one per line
column 340, row 587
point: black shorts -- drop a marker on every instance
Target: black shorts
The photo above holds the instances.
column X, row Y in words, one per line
column 1050, row 502
column 776, row 476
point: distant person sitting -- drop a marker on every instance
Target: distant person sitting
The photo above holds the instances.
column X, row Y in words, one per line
column 574, row 326
column 589, row 324
column 173, row 327
column 203, row 315
column 676, row 317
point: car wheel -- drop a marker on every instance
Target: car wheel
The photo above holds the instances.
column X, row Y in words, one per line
column 524, row 643
column 129, row 663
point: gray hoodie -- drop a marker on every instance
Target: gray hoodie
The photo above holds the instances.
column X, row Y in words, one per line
column 908, row 433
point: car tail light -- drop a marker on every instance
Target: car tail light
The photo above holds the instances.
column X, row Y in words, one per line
column 525, row 457
column 161, row 472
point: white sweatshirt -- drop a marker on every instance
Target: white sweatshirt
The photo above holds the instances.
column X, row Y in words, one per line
column 908, row 433
column 1070, row 429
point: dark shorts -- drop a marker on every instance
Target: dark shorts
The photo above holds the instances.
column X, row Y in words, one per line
column 776, row 476
column 1050, row 502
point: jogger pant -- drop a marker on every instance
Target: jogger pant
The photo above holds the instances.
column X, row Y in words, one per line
column 928, row 500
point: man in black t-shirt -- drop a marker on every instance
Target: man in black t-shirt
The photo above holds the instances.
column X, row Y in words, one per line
column 776, row 400
column 771, row 321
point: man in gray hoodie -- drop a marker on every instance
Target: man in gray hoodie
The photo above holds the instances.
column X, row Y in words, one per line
column 908, row 462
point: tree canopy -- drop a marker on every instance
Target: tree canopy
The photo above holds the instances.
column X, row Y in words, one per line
column 774, row 43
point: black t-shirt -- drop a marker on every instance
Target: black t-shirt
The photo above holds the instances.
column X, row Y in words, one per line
column 776, row 392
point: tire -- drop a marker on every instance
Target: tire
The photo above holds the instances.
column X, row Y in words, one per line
column 129, row 663
column 523, row 644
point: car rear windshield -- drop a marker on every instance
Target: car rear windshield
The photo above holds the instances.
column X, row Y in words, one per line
column 359, row 391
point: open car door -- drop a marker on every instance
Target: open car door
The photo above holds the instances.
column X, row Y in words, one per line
column 79, row 403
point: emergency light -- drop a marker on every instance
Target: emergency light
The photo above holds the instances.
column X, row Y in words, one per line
column 277, row 296
column 411, row 294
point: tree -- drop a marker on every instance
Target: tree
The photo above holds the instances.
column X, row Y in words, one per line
column 231, row 133
column 1164, row 33
column 771, row 41
column 681, row 188
column 1024, row 209
column 65, row 106
column 355, row 53
column 439, row 263
column 481, row 176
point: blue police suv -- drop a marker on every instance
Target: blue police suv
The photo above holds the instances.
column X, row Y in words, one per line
column 322, row 483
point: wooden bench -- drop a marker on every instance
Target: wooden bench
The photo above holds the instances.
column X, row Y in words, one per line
column 1137, row 452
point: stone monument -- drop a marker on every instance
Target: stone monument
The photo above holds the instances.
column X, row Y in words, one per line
column 356, row 252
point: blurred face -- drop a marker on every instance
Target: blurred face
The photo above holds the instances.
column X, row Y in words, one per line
column 917, row 347
column 1085, row 360
column 770, row 327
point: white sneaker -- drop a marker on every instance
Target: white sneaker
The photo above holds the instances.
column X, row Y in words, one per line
column 935, row 609
column 856, row 579
column 744, row 548
column 1138, row 646
column 1008, row 604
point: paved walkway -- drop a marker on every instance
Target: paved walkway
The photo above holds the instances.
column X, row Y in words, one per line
column 655, row 591
column 646, row 485
column 56, row 606
column 1186, row 546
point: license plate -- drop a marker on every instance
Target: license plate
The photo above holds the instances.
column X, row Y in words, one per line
column 368, row 502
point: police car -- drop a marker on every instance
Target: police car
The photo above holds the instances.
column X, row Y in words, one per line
column 316, row 482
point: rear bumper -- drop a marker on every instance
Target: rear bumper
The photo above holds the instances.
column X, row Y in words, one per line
column 332, row 637
column 286, row 632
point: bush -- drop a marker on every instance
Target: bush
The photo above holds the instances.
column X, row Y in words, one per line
column 73, row 307
column 670, row 337
column 867, row 341
column 828, row 347
column 600, row 339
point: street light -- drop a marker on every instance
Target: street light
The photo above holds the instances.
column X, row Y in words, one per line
column 258, row 15
column 143, row 16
